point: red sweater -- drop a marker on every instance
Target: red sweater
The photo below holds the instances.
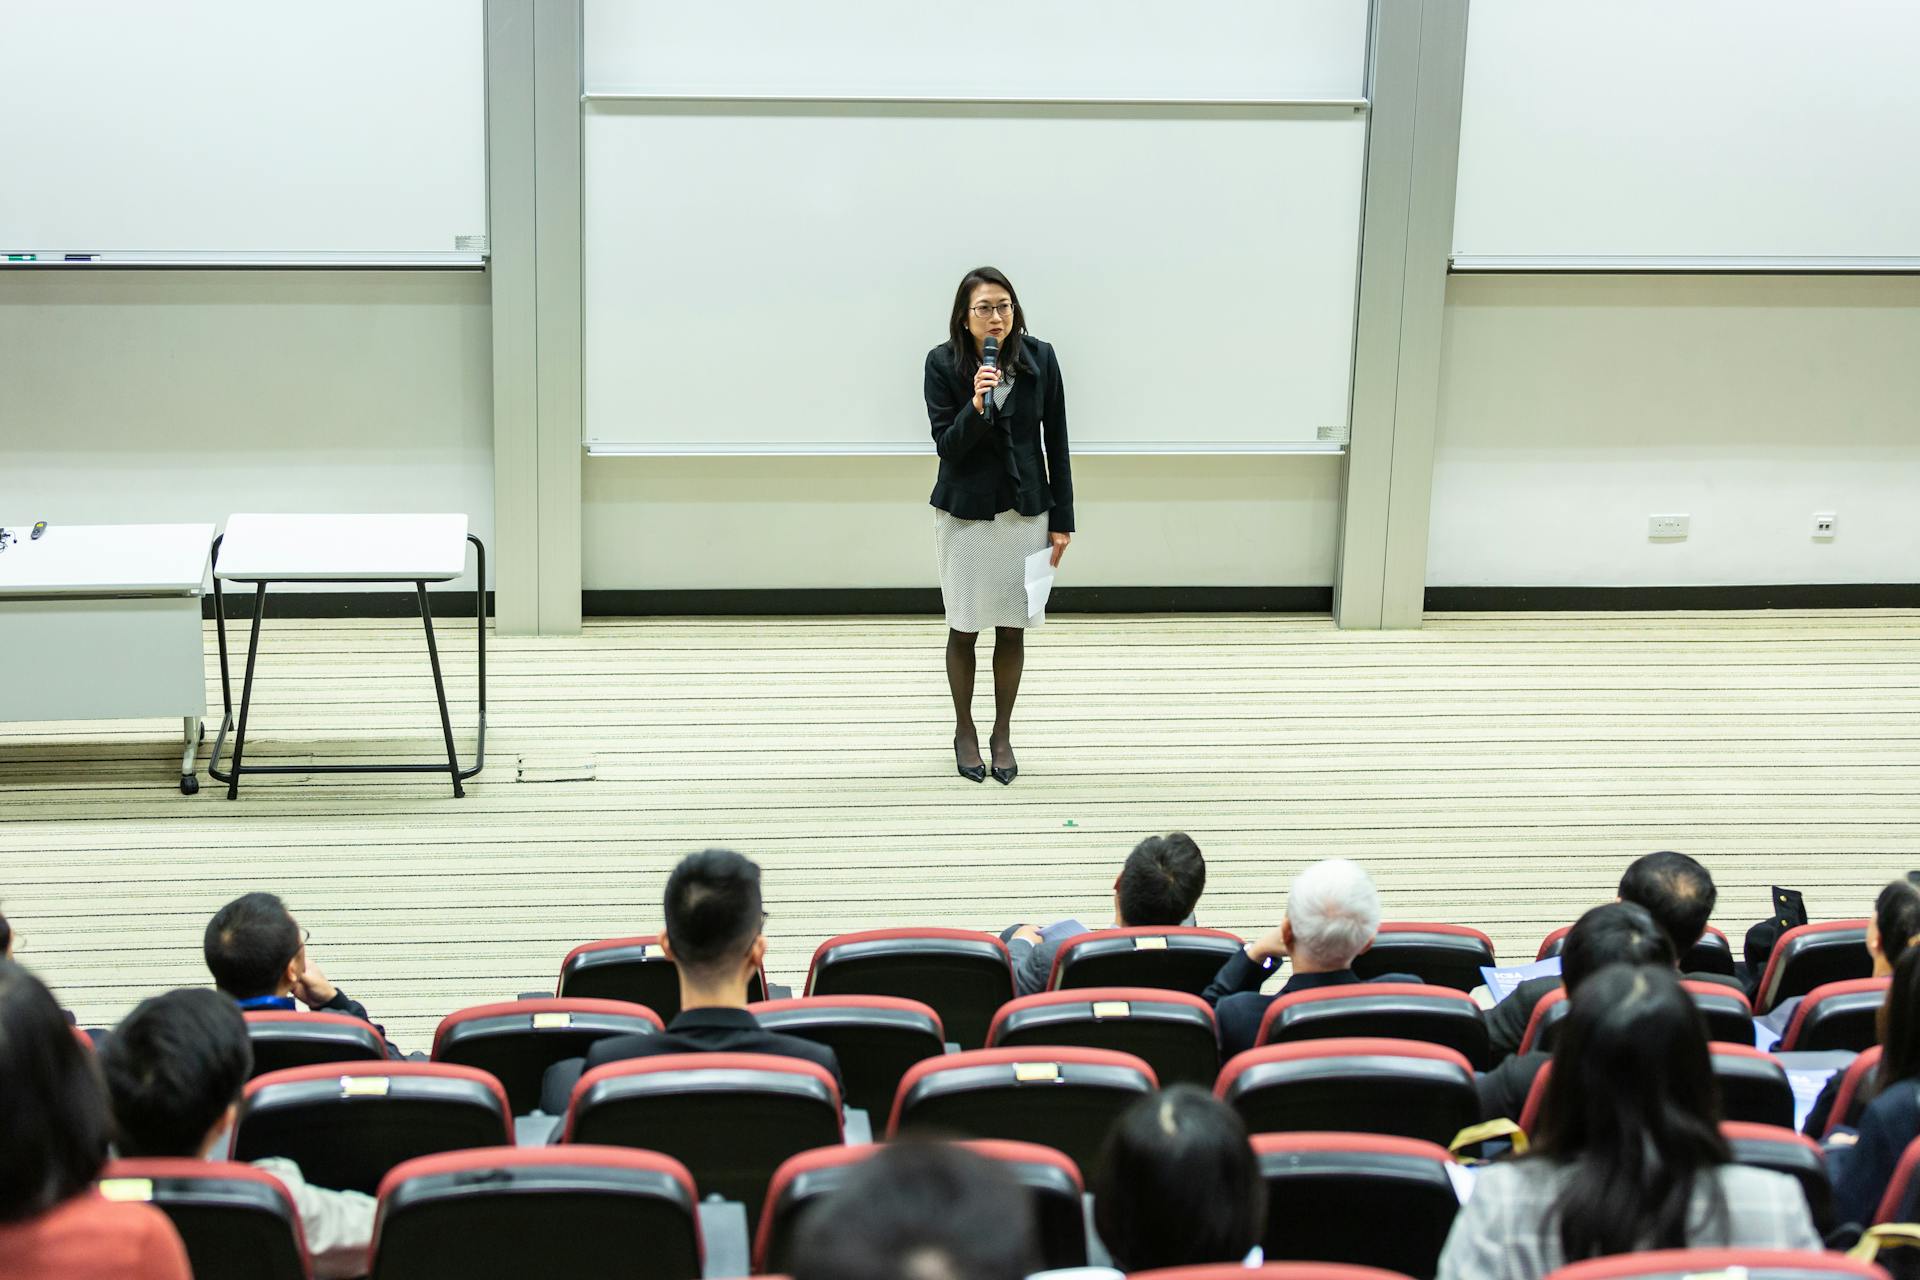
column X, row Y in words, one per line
column 88, row 1238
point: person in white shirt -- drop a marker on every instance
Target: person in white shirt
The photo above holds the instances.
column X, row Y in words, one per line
column 175, row 1068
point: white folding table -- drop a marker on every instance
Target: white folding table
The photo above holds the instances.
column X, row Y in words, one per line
column 263, row 549
column 103, row 622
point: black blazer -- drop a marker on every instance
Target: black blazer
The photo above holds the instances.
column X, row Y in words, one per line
column 693, row 1031
column 1020, row 458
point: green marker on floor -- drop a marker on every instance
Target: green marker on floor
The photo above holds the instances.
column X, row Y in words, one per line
column 23, row 257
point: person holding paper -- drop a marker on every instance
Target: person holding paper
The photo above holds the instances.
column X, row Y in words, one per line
column 1003, row 500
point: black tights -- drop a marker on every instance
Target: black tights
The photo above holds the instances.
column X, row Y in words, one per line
column 1009, row 658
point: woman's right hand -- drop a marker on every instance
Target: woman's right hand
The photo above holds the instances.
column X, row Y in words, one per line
column 984, row 380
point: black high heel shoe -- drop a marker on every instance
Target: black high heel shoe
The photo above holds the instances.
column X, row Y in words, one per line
column 971, row 772
column 1006, row 776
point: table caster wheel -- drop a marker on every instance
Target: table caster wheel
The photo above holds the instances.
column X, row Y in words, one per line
column 189, row 784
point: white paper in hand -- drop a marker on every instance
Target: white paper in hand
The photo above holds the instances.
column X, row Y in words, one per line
column 1039, row 581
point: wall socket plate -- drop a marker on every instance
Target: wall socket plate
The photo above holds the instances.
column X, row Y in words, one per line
column 1668, row 526
column 1826, row 526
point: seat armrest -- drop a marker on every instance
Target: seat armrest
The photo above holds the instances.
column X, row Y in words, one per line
column 723, row 1232
column 859, row 1127
column 536, row 1130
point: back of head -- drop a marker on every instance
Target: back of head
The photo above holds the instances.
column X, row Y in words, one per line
column 173, row 1067
column 1633, row 1110
column 1900, row 1024
column 1161, row 881
column 1335, row 912
column 713, row 911
column 6, row 938
column 1676, row 891
column 920, row 1211
column 53, row 1114
column 1617, row 933
column 1896, row 916
column 1178, row 1183
column 249, row 944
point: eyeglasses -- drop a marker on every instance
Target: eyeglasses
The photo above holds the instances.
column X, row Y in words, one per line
column 305, row 934
column 984, row 309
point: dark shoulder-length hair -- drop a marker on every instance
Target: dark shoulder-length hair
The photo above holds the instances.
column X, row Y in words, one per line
column 960, row 338
column 1899, row 1021
column 53, row 1109
column 1177, row 1183
column 1632, row 1112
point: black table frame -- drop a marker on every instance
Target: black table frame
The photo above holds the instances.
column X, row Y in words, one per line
column 451, row 768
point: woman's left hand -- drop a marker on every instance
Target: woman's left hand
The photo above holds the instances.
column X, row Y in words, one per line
column 1060, row 541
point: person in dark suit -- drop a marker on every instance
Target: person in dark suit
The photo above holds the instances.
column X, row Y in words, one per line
column 1004, row 492
column 713, row 936
column 1676, row 891
column 1159, row 884
column 1617, row 933
column 257, row 954
column 1333, row 911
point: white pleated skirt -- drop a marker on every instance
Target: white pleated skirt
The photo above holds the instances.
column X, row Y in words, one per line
column 983, row 568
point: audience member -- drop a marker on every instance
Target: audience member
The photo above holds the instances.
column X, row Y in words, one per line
column 1617, row 933
column 1629, row 1154
column 1862, row 1170
column 1762, row 937
column 714, row 920
column 1891, row 927
column 175, row 1068
column 53, row 1115
column 1177, row 1184
column 6, row 939
column 1333, row 912
column 257, row 954
column 920, row 1211
column 1158, row 885
column 1676, row 891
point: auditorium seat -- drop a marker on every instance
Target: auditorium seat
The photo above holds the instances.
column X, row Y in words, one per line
column 634, row 970
column 1271, row 1271
column 1052, row 1178
column 284, row 1038
column 1170, row 957
column 1329, row 1193
column 1848, row 1103
column 1446, row 955
column 1813, row 955
column 237, row 1222
column 1064, row 1098
column 1764, row 1146
column 1728, row 1016
column 731, row 1118
column 1712, row 954
column 346, row 1125
column 1380, row 1010
column 582, row 1212
column 1406, row 1088
column 1900, row 1202
column 875, row 1038
column 1837, row 1015
column 1753, row 1086
column 1171, row 1030
column 963, row 975
column 517, row 1040
column 1719, row 1264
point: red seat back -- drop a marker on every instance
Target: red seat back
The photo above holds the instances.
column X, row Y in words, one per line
column 1172, row 957
column 1171, row 1031
column 1329, row 1193
column 635, row 970
column 1837, row 1015
column 287, row 1038
column 1754, row 1264
column 1445, row 955
column 1813, row 955
column 517, row 1040
column 237, row 1222
column 1386, row 1010
column 1406, row 1088
column 1762, row 1146
column 963, row 975
column 1847, row 1104
column 876, row 1039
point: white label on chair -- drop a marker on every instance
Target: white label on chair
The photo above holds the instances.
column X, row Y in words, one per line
column 1149, row 944
column 547, row 1021
column 1036, row 1072
column 364, row 1086
column 127, row 1188
column 1112, row 1009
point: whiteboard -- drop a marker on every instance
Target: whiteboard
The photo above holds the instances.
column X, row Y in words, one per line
column 1699, row 135
column 769, row 279
column 237, row 131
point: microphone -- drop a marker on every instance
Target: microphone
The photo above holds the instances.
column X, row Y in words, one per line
column 989, row 359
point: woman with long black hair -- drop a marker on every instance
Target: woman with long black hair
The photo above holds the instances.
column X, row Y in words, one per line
column 1004, row 492
column 1629, row 1155
column 1892, row 1117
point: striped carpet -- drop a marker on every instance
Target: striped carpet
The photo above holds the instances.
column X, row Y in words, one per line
column 1496, row 770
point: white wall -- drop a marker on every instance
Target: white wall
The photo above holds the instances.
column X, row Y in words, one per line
column 1573, row 407
column 131, row 396
column 864, row 522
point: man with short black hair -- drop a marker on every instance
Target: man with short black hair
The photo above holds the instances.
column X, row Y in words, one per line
column 713, row 936
column 1159, row 885
column 257, row 954
column 6, row 939
column 920, row 1211
column 175, row 1069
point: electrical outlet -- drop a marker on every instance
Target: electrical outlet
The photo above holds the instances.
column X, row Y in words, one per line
column 1826, row 526
column 1674, row 526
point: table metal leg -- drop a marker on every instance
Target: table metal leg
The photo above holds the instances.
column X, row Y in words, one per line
column 439, row 688
column 191, row 732
column 246, row 689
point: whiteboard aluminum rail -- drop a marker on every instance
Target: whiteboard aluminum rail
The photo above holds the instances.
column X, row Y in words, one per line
column 904, row 449
column 936, row 100
column 333, row 259
column 1465, row 263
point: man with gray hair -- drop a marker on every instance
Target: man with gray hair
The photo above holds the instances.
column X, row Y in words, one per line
column 1332, row 914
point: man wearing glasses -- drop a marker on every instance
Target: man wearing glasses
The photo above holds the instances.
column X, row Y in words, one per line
column 257, row 953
